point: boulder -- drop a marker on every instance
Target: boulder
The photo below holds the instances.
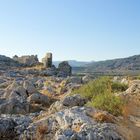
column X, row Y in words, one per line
column 7, row 126
column 2, row 81
column 74, row 80
column 87, row 78
column 14, row 106
column 18, row 92
column 39, row 99
column 49, row 71
column 64, row 69
column 30, row 88
column 134, row 88
column 72, row 123
column 75, row 100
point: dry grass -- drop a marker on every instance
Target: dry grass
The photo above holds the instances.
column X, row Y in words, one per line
column 41, row 131
column 77, row 128
column 103, row 117
column 131, row 107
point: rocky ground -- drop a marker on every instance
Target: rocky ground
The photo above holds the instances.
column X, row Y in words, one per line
column 35, row 105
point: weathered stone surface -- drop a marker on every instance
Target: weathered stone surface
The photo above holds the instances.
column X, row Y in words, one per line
column 47, row 60
column 87, row 78
column 7, row 126
column 49, row 71
column 74, row 80
column 30, row 88
column 75, row 100
column 134, row 89
column 17, row 92
column 7, row 62
column 27, row 60
column 39, row 99
column 73, row 123
column 64, row 69
column 13, row 106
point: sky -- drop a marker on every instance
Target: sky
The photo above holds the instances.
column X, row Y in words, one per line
column 83, row 30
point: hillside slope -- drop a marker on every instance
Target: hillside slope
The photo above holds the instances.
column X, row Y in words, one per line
column 123, row 64
column 7, row 62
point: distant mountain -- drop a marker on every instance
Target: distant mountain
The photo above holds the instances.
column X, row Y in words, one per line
column 73, row 63
column 123, row 64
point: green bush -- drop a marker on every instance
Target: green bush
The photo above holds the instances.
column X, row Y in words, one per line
column 108, row 102
column 118, row 87
column 100, row 94
column 95, row 88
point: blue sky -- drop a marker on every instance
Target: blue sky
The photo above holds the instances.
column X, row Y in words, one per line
column 71, row 29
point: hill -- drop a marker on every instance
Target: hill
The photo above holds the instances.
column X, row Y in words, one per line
column 7, row 62
column 121, row 66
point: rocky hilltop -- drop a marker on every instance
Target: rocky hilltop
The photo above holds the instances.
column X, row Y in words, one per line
column 7, row 62
column 38, row 103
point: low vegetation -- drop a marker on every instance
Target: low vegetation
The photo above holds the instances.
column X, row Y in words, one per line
column 119, row 87
column 100, row 94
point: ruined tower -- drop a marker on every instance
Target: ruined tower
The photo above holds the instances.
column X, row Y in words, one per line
column 47, row 60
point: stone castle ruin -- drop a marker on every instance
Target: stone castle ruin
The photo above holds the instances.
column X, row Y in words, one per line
column 63, row 70
column 27, row 60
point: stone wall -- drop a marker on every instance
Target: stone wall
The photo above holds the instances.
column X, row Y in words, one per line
column 47, row 60
column 27, row 60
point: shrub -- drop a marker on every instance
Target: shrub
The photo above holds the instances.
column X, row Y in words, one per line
column 94, row 88
column 41, row 131
column 108, row 102
column 119, row 87
column 100, row 95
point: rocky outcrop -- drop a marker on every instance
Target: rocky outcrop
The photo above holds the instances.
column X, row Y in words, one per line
column 75, row 100
column 72, row 123
column 7, row 62
column 133, row 90
column 39, row 99
column 27, row 60
column 64, row 69
column 7, row 126
column 14, row 106
column 30, row 88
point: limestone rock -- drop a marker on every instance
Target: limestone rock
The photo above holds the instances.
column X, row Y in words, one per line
column 30, row 88
column 6, row 62
column 39, row 99
column 134, row 88
column 18, row 92
column 75, row 80
column 75, row 100
column 73, row 123
column 13, row 106
column 64, row 69
column 7, row 126
column 49, row 71
column 87, row 78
